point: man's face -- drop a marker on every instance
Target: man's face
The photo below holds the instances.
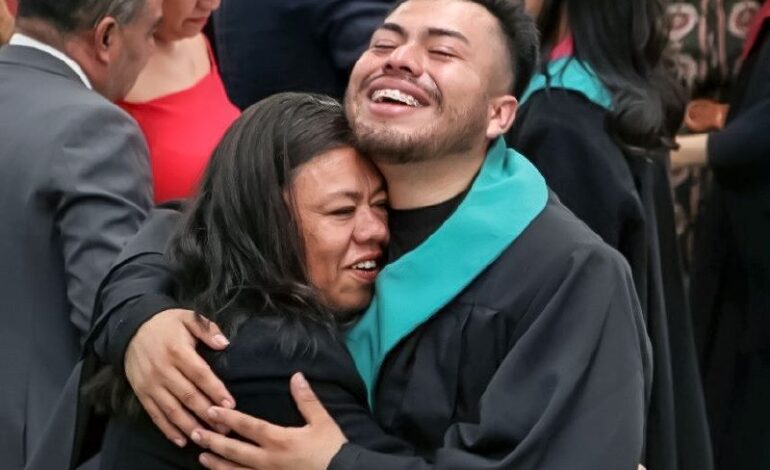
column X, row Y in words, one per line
column 136, row 44
column 422, row 89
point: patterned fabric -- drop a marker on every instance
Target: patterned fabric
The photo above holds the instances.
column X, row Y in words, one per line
column 708, row 36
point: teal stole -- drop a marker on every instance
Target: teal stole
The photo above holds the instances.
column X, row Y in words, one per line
column 569, row 73
column 505, row 197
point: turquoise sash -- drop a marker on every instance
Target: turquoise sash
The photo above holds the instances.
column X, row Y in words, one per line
column 570, row 74
column 506, row 196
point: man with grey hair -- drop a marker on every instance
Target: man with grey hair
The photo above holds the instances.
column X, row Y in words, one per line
column 74, row 186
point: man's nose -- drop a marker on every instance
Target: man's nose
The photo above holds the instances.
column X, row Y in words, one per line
column 405, row 59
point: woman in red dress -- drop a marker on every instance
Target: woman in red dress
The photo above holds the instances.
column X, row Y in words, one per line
column 179, row 100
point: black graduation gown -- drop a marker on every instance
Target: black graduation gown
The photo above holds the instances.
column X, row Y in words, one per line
column 627, row 200
column 256, row 369
column 541, row 363
column 730, row 289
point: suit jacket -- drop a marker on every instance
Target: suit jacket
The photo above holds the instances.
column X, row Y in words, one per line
column 74, row 185
column 301, row 45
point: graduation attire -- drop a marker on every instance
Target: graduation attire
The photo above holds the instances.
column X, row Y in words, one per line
column 507, row 336
column 627, row 200
column 510, row 338
column 731, row 274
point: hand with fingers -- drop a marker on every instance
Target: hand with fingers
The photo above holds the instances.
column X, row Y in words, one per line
column 271, row 447
column 173, row 383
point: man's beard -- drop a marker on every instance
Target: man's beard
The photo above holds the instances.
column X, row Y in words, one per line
column 460, row 132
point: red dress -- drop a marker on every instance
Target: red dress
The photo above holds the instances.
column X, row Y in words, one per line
column 182, row 129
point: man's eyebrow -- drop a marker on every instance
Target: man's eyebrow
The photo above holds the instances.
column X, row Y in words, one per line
column 448, row 32
column 396, row 28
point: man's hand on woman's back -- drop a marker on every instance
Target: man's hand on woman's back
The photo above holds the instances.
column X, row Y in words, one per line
column 173, row 383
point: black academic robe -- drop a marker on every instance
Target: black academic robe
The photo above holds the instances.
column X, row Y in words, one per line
column 730, row 288
column 627, row 201
column 542, row 362
column 256, row 369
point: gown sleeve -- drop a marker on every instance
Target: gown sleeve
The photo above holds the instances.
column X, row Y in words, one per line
column 138, row 286
column 744, row 143
column 572, row 391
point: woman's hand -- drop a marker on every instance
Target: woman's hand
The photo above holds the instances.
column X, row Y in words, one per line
column 171, row 380
column 272, row 447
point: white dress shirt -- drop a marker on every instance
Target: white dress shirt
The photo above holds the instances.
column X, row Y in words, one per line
column 19, row 39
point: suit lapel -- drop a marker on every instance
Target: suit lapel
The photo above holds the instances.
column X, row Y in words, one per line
column 31, row 58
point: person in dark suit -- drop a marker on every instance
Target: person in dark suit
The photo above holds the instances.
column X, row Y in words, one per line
column 271, row 46
column 75, row 186
column 316, row 228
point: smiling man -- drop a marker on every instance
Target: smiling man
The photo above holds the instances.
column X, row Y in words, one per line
column 503, row 334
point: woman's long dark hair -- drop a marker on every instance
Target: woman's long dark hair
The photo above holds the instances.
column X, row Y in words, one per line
column 625, row 42
column 238, row 250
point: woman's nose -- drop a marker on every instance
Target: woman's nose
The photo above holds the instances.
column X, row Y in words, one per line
column 371, row 227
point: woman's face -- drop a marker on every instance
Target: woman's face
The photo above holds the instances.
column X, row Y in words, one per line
column 341, row 206
column 185, row 18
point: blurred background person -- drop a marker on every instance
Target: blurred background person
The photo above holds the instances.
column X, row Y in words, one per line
column 598, row 121
column 74, row 186
column 268, row 46
column 707, row 38
column 730, row 289
column 179, row 100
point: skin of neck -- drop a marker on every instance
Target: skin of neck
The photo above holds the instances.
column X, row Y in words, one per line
column 74, row 45
column 43, row 32
column 433, row 180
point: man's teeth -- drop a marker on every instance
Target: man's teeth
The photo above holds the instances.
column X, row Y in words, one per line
column 367, row 265
column 395, row 95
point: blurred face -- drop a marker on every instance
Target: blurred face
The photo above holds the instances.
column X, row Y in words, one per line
column 130, row 49
column 185, row 18
column 341, row 206
column 422, row 89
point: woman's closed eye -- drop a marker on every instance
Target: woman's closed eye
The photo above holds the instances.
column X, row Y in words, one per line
column 342, row 211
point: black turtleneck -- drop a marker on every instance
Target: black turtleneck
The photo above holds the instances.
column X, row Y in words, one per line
column 410, row 227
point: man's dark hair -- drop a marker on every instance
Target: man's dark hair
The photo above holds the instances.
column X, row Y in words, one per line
column 521, row 39
column 75, row 15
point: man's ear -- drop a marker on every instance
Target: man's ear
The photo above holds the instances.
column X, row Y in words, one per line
column 106, row 38
column 502, row 111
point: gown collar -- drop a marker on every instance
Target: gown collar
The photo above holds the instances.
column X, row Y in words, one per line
column 569, row 73
column 506, row 196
